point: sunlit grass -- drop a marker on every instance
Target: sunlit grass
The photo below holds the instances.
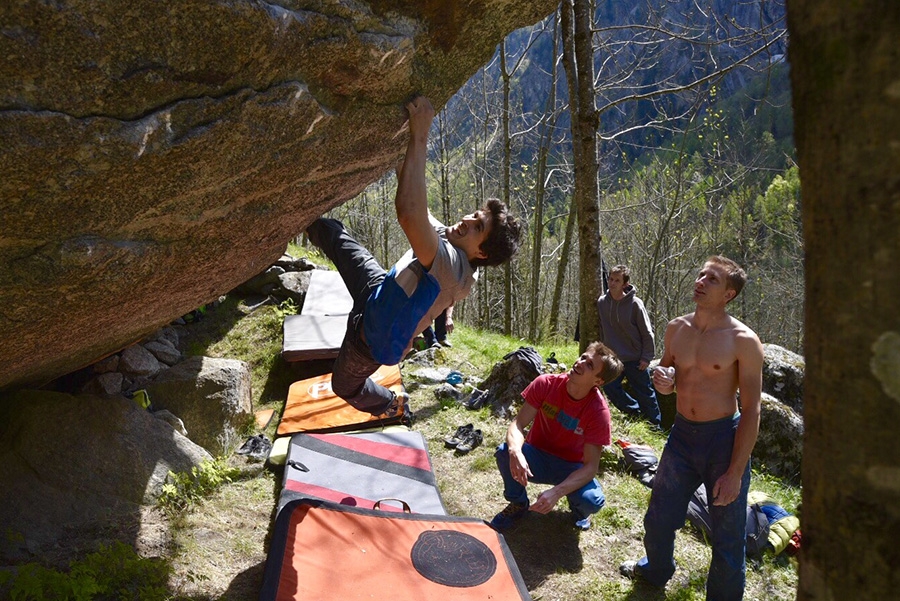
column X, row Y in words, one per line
column 556, row 561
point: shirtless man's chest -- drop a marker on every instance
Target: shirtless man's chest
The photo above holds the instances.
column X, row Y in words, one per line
column 706, row 371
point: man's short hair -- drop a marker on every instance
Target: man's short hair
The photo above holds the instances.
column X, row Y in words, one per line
column 503, row 240
column 623, row 269
column 612, row 365
column 735, row 276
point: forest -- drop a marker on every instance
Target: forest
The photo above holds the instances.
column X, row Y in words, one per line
column 681, row 129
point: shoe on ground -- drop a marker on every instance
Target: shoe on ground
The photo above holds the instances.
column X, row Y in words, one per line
column 510, row 515
column 476, row 400
column 458, row 436
column 629, row 569
column 472, row 440
column 445, row 342
column 583, row 524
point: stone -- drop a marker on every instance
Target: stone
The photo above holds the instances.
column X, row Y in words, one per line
column 290, row 263
column 448, row 392
column 167, row 334
column 783, row 375
column 108, row 384
column 137, row 362
column 430, row 374
column 293, row 285
column 504, row 385
column 212, row 398
column 163, row 351
column 779, row 446
column 171, row 419
column 79, row 462
column 172, row 162
column 262, row 283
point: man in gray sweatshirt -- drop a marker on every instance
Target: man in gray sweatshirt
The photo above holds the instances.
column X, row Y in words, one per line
column 625, row 328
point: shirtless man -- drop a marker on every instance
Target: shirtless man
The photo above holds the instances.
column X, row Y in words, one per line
column 714, row 355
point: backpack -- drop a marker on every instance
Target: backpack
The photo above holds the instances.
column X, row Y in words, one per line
column 757, row 522
column 640, row 460
column 392, row 314
column 757, row 531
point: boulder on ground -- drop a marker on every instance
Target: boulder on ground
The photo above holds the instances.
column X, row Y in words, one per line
column 779, row 446
column 71, row 462
column 107, row 384
column 212, row 398
column 783, row 375
column 293, row 285
column 503, row 387
column 138, row 362
column 164, row 351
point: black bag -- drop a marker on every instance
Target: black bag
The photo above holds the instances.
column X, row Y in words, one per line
column 757, row 531
column 757, row 522
column 640, row 460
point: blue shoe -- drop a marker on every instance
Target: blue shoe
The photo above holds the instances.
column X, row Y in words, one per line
column 583, row 523
column 510, row 515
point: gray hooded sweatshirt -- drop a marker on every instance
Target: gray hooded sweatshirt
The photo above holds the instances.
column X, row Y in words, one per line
column 625, row 326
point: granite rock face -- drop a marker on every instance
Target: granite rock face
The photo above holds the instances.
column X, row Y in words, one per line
column 156, row 155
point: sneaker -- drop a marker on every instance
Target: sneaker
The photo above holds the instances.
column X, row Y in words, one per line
column 583, row 523
column 629, row 569
column 460, row 435
column 445, row 342
column 472, row 440
column 510, row 515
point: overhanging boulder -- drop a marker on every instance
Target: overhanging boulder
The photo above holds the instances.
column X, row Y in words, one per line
column 156, row 155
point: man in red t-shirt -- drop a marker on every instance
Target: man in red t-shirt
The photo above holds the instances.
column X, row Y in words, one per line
column 570, row 424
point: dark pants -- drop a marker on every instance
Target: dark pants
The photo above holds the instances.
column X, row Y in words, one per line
column 361, row 274
column 438, row 333
column 695, row 453
column 644, row 400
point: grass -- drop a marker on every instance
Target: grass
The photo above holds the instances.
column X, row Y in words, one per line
column 556, row 561
column 218, row 543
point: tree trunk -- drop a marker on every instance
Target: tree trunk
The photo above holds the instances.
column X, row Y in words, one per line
column 507, row 151
column 540, row 176
column 444, row 164
column 481, row 186
column 846, row 95
column 579, row 65
column 561, row 274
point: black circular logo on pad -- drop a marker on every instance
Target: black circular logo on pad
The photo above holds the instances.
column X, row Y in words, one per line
column 453, row 558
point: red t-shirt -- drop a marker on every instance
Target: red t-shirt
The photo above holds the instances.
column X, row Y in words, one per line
column 563, row 425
